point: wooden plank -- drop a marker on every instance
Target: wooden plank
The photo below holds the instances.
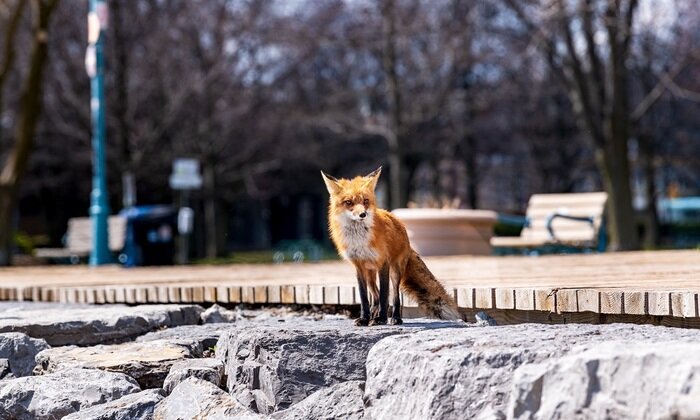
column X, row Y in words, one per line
column 635, row 303
column 90, row 296
column 287, row 293
column 197, row 294
column 248, row 294
column 588, row 300
column 316, row 295
column 152, row 294
column 483, row 297
column 163, row 292
column 141, row 295
column 331, row 295
column 659, row 303
column 274, row 294
column 222, row 294
column 186, row 294
column 465, row 297
column 110, row 295
column 260, row 294
column 235, row 294
column 611, row 302
column 566, row 300
column 545, row 300
column 301, row 294
column 505, row 298
column 346, row 295
column 525, row 299
column 684, row 304
column 130, row 295
column 119, row 294
column 210, row 294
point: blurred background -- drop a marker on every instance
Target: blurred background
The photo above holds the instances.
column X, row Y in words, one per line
column 467, row 104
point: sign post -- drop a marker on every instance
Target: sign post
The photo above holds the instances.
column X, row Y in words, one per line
column 185, row 177
column 94, row 64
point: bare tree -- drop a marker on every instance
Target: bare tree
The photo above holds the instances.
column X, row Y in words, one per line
column 27, row 115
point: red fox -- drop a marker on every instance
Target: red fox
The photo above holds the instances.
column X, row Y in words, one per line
column 376, row 242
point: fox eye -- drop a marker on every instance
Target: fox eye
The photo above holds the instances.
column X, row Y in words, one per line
column 366, row 202
column 347, row 202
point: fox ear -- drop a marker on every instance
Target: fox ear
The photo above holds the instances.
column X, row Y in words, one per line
column 331, row 183
column 373, row 177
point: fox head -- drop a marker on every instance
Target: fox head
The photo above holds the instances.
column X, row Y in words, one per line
column 353, row 199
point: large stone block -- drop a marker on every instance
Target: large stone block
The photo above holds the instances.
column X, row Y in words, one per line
column 197, row 399
column 468, row 373
column 340, row 401
column 58, row 394
column 96, row 324
column 272, row 366
column 148, row 363
column 19, row 351
column 611, row 380
column 137, row 406
column 208, row 369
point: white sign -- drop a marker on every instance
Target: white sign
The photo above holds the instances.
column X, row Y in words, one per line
column 185, row 175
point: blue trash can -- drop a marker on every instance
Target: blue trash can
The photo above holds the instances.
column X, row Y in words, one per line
column 150, row 235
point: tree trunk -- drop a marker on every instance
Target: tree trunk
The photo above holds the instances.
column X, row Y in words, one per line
column 27, row 117
column 212, row 236
column 397, row 182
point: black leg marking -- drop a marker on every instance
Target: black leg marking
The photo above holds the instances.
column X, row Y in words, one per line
column 396, row 314
column 382, row 316
column 364, row 302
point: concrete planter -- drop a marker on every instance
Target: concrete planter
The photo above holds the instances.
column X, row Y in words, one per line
column 449, row 231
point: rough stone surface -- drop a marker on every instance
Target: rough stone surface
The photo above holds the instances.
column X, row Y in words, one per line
column 148, row 363
column 18, row 351
column 219, row 314
column 340, row 401
column 137, row 406
column 272, row 366
column 198, row 399
column 209, row 369
column 59, row 394
column 611, row 380
column 204, row 336
column 468, row 373
column 96, row 324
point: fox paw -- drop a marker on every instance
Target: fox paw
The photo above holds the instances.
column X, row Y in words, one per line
column 396, row 321
column 362, row 322
column 377, row 321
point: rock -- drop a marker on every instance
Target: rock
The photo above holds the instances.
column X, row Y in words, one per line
column 96, row 324
column 148, row 363
column 468, row 373
column 611, row 380
column 209, row 369
column 484, row 320
column 137, row 406
column 197, row 399
column 58, row 394
column 340, row 401
column 204, row 336
column 272, row 366
column 218, row 314
column 19, row 350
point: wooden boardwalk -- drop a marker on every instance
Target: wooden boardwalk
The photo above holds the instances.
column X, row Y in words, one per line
column 661, row 283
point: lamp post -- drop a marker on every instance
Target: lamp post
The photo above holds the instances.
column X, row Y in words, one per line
column 94, row 64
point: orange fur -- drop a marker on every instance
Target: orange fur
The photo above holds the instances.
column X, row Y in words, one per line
column 379, row 240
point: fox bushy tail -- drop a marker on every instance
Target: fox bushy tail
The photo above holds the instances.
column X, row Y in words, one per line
column 422, row 286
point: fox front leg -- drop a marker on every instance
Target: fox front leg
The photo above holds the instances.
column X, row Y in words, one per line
column 381, row 317
column 363, row 320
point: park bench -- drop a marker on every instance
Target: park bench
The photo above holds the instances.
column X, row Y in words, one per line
column 559, row 223
column 78, row 239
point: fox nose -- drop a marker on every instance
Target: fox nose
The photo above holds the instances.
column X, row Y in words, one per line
column 363, row 215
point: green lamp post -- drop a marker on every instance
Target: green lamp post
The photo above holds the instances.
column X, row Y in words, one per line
column 94, row 63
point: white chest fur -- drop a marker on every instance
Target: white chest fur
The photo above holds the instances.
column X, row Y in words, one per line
column 356, row 239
